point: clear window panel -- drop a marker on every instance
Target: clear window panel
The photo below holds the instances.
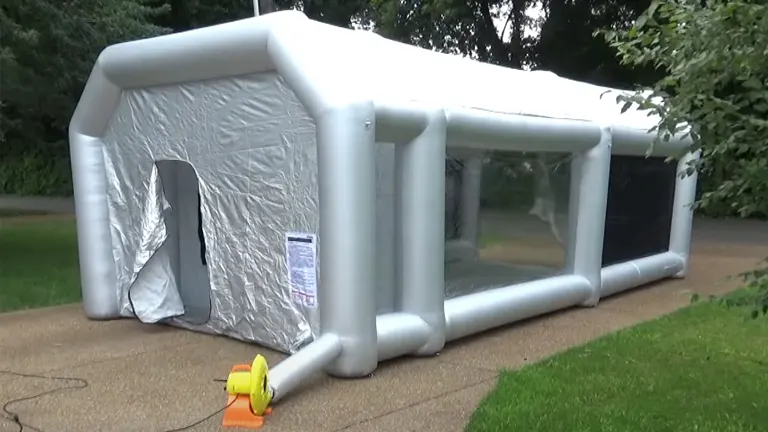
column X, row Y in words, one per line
column 522, row 219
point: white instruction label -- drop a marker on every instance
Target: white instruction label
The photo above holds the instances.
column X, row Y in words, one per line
column 301, row 257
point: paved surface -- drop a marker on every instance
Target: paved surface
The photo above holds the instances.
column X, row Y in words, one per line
column 155, row 378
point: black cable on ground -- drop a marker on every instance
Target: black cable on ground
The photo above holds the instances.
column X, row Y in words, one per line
column 81, row 384
column 14, row 417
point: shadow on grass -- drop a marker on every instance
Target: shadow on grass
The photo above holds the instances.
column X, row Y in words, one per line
column 19, row 213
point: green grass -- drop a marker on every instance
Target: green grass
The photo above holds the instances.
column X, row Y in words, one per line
column 703, row 368
column 38, row 264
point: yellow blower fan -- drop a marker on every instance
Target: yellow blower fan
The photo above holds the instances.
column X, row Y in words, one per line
column 249, row 395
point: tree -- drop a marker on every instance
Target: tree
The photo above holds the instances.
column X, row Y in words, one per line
column 186, row 15
column 714, row 57
column 460, row 27
column 48, row 50
column 568, row 46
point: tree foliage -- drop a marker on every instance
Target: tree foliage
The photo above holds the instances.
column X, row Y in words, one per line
column 48, row 49
column 567, row 43
column 460, row 27
column 714, row 59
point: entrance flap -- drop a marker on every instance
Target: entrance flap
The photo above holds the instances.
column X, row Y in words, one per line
column 153, row 295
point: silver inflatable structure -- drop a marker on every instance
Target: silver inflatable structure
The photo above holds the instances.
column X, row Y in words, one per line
column 283, row 182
